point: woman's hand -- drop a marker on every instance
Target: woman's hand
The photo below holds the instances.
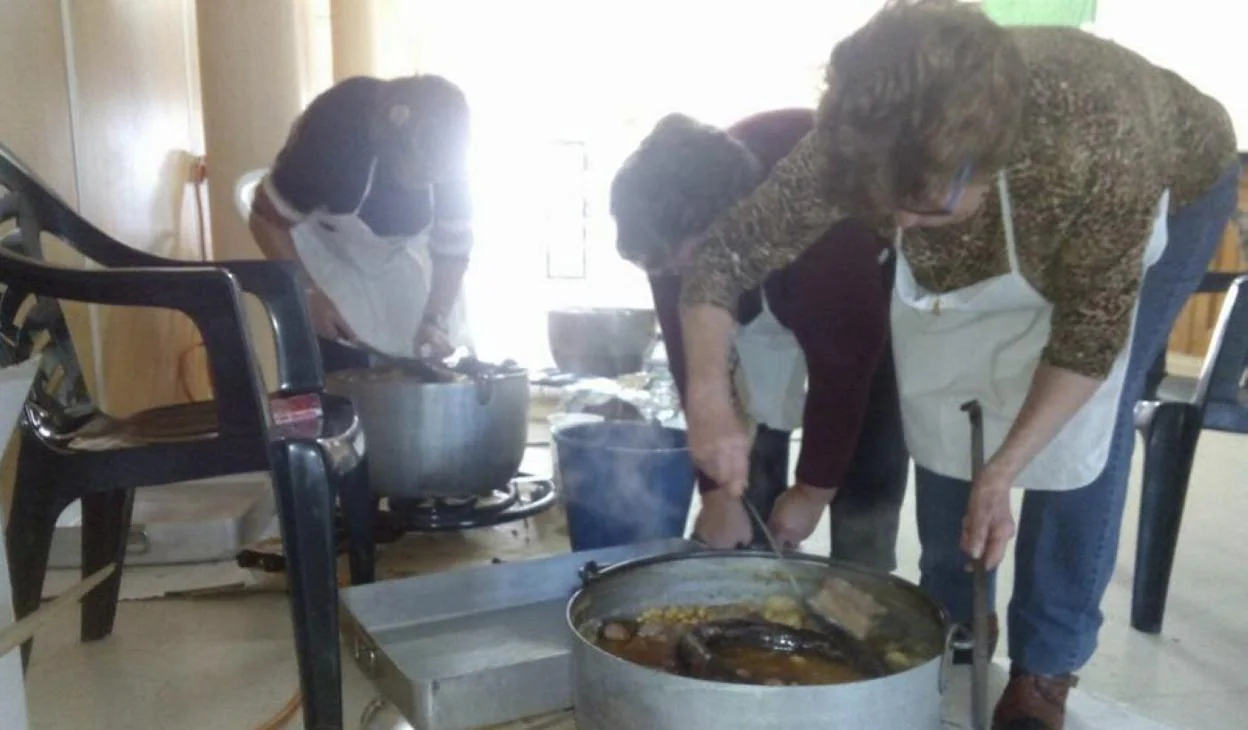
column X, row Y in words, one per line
column 797, row 513
column 718, row 440
column 326, row 319
column 988, row 525
column 723, row 523
column 1055, row 396
column 432, row 341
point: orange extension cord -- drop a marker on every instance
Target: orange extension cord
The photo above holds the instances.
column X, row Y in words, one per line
column 284, row 715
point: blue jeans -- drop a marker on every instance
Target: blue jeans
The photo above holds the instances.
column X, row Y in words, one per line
column 1067, row 542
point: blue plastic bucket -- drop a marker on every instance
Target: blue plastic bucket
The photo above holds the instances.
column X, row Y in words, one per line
column 624, row 482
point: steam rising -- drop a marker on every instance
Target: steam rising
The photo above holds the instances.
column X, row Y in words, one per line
column 625, row 481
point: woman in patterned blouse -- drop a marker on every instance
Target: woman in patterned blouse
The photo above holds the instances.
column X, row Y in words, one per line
column 1055, row 199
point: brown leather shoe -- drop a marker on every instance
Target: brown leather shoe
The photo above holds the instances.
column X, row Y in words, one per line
column 1033, row 702
column 963, row 656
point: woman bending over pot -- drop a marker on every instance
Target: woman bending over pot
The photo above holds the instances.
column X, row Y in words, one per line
column 1056, row 199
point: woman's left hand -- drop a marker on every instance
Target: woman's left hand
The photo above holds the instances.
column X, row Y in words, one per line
column 797, row 512
column 988, row 525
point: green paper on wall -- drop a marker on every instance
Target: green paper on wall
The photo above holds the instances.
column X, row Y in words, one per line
column 1041, row 12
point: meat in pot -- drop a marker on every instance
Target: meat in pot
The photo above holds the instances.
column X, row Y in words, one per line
column 768, row 644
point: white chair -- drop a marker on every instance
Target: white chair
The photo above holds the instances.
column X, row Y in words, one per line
column 245, row 190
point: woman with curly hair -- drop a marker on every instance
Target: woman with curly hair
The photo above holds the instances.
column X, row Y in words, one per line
column 1055, row 199
column 823, row 321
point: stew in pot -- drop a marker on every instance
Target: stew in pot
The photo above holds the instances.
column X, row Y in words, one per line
column 767, row 644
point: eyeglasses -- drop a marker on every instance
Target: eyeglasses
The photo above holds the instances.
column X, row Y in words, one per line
column 955, row 194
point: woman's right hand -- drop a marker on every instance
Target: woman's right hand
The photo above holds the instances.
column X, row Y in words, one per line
column 326, row 319
column 718, row 440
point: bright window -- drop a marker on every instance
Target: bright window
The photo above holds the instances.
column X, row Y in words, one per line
column 562, row 91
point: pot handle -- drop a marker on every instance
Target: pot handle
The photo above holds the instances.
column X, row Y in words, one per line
column 589, row 573
column 485, row 388
column 956, row 639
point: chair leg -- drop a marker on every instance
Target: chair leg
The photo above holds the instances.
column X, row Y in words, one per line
column 359, row 516
column 105, row 532
column 32, row 524
column 1170, row 438
column 306, row 512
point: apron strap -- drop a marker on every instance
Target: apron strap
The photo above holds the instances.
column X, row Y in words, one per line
column 368, row 186
column 1007, row 222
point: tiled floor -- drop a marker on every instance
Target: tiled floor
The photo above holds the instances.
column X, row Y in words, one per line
column 228, row 663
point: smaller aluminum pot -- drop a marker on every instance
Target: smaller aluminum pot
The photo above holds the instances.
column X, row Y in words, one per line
column 439, row 439
column 601, row 342
column 610, row 693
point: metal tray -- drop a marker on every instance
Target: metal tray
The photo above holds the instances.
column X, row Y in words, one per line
column 203, row 521
column 476, row 646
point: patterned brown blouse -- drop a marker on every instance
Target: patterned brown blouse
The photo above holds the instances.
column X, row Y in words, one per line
column 1106, row 132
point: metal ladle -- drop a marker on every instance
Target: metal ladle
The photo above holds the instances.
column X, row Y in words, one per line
column 824, row 623
column 422, row 367
column 775, row 548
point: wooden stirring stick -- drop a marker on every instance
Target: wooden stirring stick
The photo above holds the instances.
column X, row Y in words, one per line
column 20, row 632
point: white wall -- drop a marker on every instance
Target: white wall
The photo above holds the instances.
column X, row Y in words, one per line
column 1201, row 40
column 548, row 70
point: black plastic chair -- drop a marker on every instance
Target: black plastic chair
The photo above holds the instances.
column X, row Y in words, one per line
column 71, row 450
column 1170, row 420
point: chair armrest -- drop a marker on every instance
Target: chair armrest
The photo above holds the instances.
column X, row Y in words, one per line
column 210, row 296
column 278, row 286
column 1218, row 282
column 1223, row 369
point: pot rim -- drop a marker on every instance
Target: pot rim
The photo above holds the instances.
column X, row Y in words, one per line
column 560, row 435
column 591, row 574
column 408, row 379
column 601, row 310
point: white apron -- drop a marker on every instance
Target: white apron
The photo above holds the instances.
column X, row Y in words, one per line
column 984, row 342
column 380, row 284
column 773, row 371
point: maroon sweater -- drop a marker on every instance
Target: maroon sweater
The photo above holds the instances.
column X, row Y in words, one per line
column 834, row 299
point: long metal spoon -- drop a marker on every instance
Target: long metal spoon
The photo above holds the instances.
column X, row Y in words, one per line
column 979, row 588
column 775, row 547
column 825, row 624
column 422, row 367
column 858, row 651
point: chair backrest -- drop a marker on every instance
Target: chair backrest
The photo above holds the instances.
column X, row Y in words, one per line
column 32, row 320
column 32, row 325
column 275, row 283
column 1222, row 377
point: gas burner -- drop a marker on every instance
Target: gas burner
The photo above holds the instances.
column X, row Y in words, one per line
column 523, row 497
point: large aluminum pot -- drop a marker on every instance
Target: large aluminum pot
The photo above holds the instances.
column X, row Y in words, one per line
column 601, row 342
column 613, row 694
column 439, row 439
